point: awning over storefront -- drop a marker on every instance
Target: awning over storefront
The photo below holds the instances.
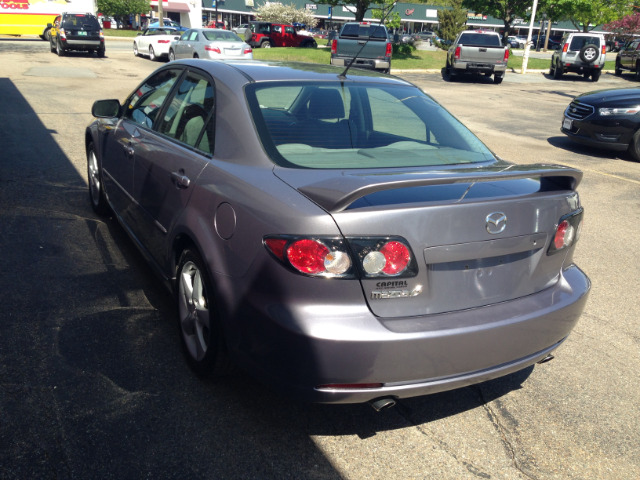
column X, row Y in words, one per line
column 172, row 6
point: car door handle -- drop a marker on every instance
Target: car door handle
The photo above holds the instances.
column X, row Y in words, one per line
column 181, row 180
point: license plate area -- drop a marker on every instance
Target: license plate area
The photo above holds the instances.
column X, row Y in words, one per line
column 567, row 124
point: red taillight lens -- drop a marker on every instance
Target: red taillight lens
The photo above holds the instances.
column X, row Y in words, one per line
column 567, row 232
column 397, row 258
column 373, row 257
column 247, row 51
column 457, row 53
column 506, row 55
column 209, row 48
column 604, row 49
column 307, row 256
column 389, row 50
column 164, row 41
column 334, row 46
column 565, row 48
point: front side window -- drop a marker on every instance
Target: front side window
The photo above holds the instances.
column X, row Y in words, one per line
column 143, row 105
column 358, row 125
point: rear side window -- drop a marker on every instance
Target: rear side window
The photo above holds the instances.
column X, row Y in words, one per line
column 85, row 22
column 187, row 116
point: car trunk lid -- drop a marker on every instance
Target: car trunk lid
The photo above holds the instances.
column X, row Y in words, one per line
column 480, row 236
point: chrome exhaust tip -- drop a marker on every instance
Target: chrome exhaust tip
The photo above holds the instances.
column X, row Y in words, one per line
column 546, row 359
column 383, row 403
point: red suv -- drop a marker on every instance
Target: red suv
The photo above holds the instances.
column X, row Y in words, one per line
column 267, row 35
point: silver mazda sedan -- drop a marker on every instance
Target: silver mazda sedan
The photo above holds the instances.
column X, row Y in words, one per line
column 339, row 235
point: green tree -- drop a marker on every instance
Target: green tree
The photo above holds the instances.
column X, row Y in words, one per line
column 359, row 7
column 452, row 21
column 391, row 19
column 588, row 14
column 506, row 10
column 121, row 9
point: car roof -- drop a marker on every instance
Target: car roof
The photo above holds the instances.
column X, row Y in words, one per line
column 259, row 71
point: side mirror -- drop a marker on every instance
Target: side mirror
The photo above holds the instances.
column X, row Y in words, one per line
column 106, row 108
column 49, row 25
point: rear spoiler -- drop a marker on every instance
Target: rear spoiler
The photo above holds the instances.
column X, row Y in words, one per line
column 336, row 194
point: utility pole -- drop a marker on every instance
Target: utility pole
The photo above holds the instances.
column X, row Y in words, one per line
column 160, row 14
column 527, row 47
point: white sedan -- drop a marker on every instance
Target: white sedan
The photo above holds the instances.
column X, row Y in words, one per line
column 154, row 42
column 211, row 43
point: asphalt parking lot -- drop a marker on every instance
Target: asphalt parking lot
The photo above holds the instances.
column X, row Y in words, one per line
column 93, row 383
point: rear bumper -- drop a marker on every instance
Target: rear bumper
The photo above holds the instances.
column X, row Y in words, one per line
column 300, row 348
column 368, row 63
column 478, row 67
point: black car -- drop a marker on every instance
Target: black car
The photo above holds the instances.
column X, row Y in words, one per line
column 76, row 31
column 608, row 119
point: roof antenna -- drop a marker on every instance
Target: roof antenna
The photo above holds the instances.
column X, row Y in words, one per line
column 343, row 75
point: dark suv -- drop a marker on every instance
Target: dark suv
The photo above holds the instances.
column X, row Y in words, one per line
column 76, row 31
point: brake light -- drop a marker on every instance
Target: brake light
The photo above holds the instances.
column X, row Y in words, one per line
column 164, row 41
column 247, row 51
column 604, row 49
column 367, row 257
column 457, row 52
column 506, row 55
column 334, row 46
column 209, row 48
column 389, row 51
column 567, row 232
column 565, row 48
column 62, row 34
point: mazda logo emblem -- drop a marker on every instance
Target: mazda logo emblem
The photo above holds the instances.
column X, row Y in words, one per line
column 496, row 222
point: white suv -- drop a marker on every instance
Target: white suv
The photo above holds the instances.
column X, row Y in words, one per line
column 582, row 53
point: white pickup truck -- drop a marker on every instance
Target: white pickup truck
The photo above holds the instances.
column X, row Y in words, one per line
column 477, row 51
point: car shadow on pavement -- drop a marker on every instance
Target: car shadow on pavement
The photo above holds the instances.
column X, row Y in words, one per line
column 565, row 143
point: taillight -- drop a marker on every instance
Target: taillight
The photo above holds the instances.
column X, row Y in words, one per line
column 506, row 55
column 389, row 50
column 366, row 257
column 62, row 33
column 565, row 48
column 209, row 48
column 604, row 49
column 567, row 232
column 334, row 46
column 164, row 41
column 457, row 53
column 247, row 51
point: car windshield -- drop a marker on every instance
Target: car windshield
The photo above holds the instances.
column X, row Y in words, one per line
column 221, row 36
column 358, row 125
column 364, row 30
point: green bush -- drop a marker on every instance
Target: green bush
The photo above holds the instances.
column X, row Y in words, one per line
column 403, row 49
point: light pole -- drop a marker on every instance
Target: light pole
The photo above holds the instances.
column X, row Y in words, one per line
column 525, row 57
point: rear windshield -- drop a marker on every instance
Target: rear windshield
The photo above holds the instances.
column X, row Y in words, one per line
column 221, row 36
column 480, row 39
column 358, row 30
column 358, row 125
column 578, row 42
column 86, row 22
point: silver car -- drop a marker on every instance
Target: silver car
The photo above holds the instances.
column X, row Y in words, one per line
column 338, row 234
column 211, row 43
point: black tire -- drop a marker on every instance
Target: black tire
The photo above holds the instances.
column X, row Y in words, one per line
column 589, row 53
column 595, row 75
column 59, row 49
column 557, row 72
column 96, row 187
column 637, row 72
column 46, row 35
column 497, row 79
column 618, row 69
column 136, row 53
column 195, row 55
column 52, row 45
column 309, row 44
column 265, row 44
column 634, row 147
column 198, row 322
column 100, row 52
column 152, row 54
column 172, row 55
